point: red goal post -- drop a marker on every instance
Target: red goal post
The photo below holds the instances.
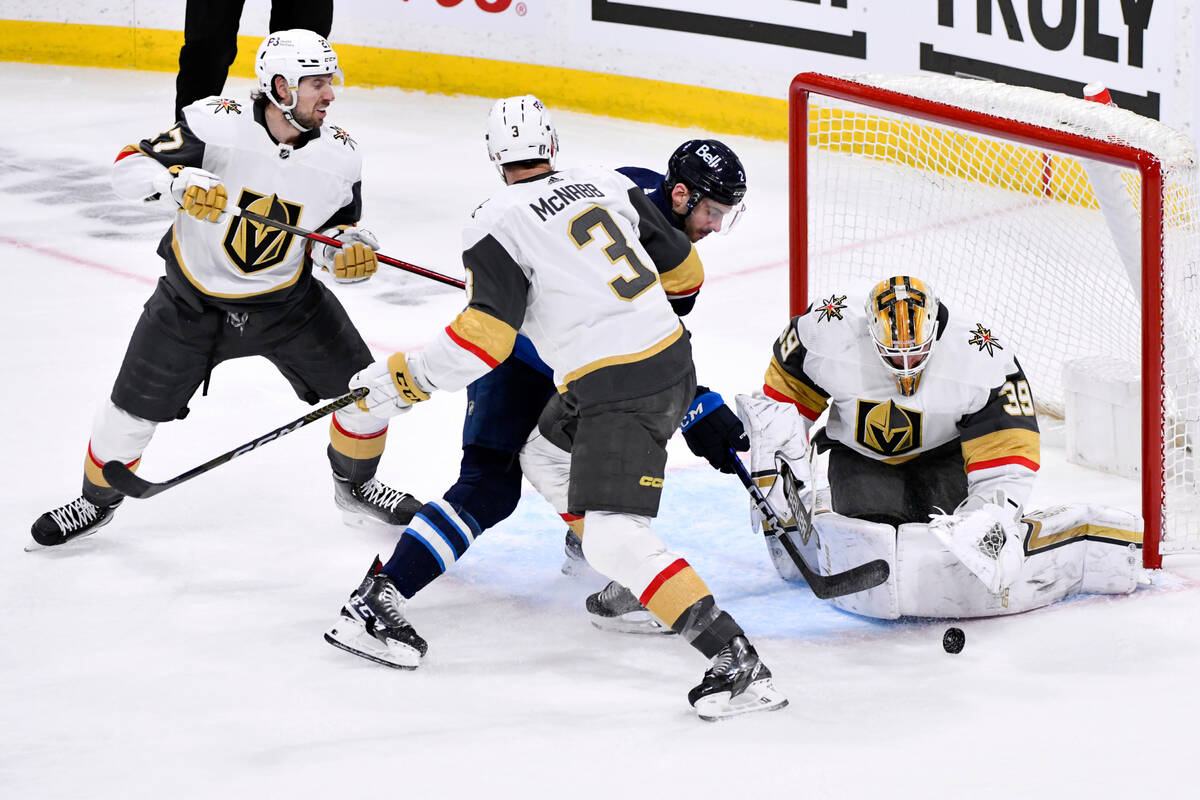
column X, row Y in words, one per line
column 957, row 180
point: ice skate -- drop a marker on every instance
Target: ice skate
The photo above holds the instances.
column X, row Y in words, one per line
column 614, row 608
column 372, row 624
column 574, row 564
column 373, row 502
column 80, row 517
column 736, row 683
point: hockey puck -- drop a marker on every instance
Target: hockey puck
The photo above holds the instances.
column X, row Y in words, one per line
column 953, row 640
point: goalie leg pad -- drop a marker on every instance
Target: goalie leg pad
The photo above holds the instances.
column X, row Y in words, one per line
column 841, row 543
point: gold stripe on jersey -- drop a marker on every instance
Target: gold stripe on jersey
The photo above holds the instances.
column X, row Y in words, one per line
column 356, row 445
column 628, row 358
column 1000, row 448
column 227, row 295
column 1037, row 541
column 673, row 591
column 684, row 278
column 486, row 336
column 810, row 402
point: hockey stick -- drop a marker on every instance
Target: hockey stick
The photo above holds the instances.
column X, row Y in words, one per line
column 316, row 237
column 856, row 579
column 121, row 478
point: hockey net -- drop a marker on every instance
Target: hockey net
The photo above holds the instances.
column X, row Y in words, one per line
column 993, row 194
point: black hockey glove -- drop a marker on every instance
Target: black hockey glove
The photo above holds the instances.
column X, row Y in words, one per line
column 711, row 430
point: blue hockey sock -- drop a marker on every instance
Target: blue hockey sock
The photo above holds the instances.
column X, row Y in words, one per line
column 437, row 537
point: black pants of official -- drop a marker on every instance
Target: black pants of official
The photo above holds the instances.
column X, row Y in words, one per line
column 210, row 31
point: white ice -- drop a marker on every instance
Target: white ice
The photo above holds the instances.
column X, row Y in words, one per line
column 178, row 652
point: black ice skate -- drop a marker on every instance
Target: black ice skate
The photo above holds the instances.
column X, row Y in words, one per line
column 373, row 502
column 614, row 608
column 80, row 517
column 372, row 624
column 736, row 683
column 574, row 563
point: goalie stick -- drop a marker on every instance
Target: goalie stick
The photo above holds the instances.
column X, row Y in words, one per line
column 122, row 478
column 856, row 579
column 316, row 237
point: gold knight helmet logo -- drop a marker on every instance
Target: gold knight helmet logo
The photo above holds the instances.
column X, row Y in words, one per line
column 887, row 428
column 253, row 246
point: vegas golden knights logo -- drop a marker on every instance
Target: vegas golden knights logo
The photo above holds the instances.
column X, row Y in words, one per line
column 253, row 246
column 887, row 428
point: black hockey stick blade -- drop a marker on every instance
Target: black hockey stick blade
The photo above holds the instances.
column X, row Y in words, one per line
column 856, row 579
column 121, row 478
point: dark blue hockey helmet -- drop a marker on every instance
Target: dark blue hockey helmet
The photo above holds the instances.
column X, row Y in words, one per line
column 708, row 168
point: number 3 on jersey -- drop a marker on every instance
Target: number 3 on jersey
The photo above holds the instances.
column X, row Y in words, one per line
column 617, row 249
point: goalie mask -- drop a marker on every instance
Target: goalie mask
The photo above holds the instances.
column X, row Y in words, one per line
column 520, row 129
column 294, row 54
column 902, row 315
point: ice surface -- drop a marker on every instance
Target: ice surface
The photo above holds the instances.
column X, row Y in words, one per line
column 178, row 652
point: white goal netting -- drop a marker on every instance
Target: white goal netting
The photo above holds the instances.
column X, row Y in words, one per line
column 1044, row 245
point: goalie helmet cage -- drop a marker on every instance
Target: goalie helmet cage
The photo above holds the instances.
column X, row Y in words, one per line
column 1042, row 214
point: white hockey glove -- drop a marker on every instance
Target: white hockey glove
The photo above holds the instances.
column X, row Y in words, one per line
column 196, row 191
column 394, row 385
column 355, row 261
column 986, row 536
column 776, row 430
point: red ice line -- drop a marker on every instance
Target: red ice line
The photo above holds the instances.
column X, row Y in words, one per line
column 133, row 276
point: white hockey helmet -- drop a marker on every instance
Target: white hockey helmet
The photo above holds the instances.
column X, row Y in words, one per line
column 294, row 54
column 520, row 129
column 902, row 315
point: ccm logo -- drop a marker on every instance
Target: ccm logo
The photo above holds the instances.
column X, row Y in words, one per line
column 654, row 483
column 491, row 6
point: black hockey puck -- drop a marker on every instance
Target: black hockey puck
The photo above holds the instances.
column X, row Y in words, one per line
column 953, row 640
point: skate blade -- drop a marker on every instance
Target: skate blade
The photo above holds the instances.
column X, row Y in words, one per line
column 355, row 519
column 638, row 622
column 353, row 638
column 759, row 696
column 33, row 545
column 573, row 567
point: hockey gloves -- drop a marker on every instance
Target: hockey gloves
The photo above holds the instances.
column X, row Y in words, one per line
column 711, row 430
column 393, row 385
column 199, row 193
column 354, row 261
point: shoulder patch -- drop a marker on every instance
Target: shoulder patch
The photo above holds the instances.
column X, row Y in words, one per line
column 830, row 308
column 220, row 104
column 982, row 338
column 340, row 135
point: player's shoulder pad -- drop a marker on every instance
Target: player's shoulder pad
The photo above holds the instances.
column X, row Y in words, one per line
column 830, row 326
column 978, row 350
column 216, row 120
column 340, row 151
column 646, row 179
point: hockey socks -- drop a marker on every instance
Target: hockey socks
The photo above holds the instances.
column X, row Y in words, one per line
column 437, row 536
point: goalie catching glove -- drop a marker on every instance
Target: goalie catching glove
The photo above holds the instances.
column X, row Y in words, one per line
column 712, row 430
column 393, row 386
column 196, row 191
column 986, row 536
column 354, row 261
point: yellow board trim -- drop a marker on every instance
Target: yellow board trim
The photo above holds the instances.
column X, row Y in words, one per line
column 561, row 88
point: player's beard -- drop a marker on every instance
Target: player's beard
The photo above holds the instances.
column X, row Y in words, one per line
column 311, row 120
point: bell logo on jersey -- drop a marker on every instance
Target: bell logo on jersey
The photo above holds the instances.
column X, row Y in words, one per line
column 887, row 428
column 253, row 246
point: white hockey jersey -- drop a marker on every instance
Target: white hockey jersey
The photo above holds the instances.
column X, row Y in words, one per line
column 582, row 263
column 972, row 390
column 312, row 185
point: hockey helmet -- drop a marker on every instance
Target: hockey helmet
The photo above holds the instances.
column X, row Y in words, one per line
column 294, row 54
column 520, row 129
column 708, row 168
column 902, row 315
